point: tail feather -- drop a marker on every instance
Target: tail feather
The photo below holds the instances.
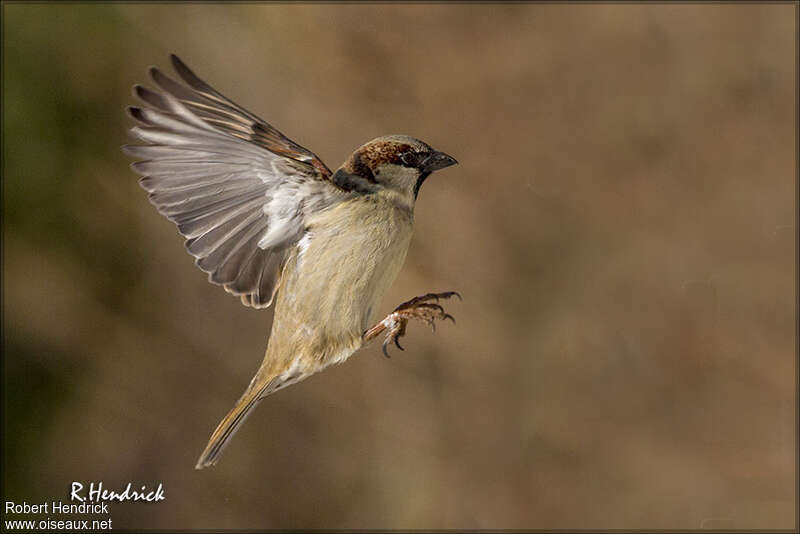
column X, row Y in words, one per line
column 231, row 423
column 255, row 392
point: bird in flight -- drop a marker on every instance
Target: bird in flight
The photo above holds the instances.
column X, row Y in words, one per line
column 269, row 221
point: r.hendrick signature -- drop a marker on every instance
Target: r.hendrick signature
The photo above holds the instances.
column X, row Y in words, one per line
column 97, row 493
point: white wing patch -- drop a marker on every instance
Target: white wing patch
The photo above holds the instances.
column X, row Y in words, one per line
column 284, row 218
column 303, row 245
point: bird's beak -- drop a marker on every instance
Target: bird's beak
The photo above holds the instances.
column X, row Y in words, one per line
column 438, row 160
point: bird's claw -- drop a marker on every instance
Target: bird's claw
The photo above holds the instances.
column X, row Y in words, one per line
column 417, row 308
column 428, row 297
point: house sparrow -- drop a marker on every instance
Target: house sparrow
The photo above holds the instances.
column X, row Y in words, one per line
column 267, row 220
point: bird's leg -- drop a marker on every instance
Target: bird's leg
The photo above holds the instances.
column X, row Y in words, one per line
column 417, row 308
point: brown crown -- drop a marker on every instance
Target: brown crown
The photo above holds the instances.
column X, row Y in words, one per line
column 367, row 158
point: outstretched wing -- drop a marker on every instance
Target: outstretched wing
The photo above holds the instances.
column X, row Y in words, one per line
column 235, row 186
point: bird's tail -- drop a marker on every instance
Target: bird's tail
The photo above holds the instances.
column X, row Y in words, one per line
column 231, row 422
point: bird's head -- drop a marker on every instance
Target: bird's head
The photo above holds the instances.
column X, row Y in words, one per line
column 395, row 164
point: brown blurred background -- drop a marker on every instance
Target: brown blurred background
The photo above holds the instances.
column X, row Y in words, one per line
column 621, row 225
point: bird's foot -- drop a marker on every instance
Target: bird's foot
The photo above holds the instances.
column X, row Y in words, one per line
column 423, row 308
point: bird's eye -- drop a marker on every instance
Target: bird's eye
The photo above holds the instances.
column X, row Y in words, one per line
column 409, row 159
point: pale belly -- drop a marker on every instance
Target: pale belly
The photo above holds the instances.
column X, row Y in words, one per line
column 332, row 286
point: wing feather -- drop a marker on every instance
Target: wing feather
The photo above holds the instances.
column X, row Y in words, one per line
column 237, row 189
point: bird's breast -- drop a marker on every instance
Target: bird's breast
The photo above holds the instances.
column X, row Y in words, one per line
column 338, row 273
